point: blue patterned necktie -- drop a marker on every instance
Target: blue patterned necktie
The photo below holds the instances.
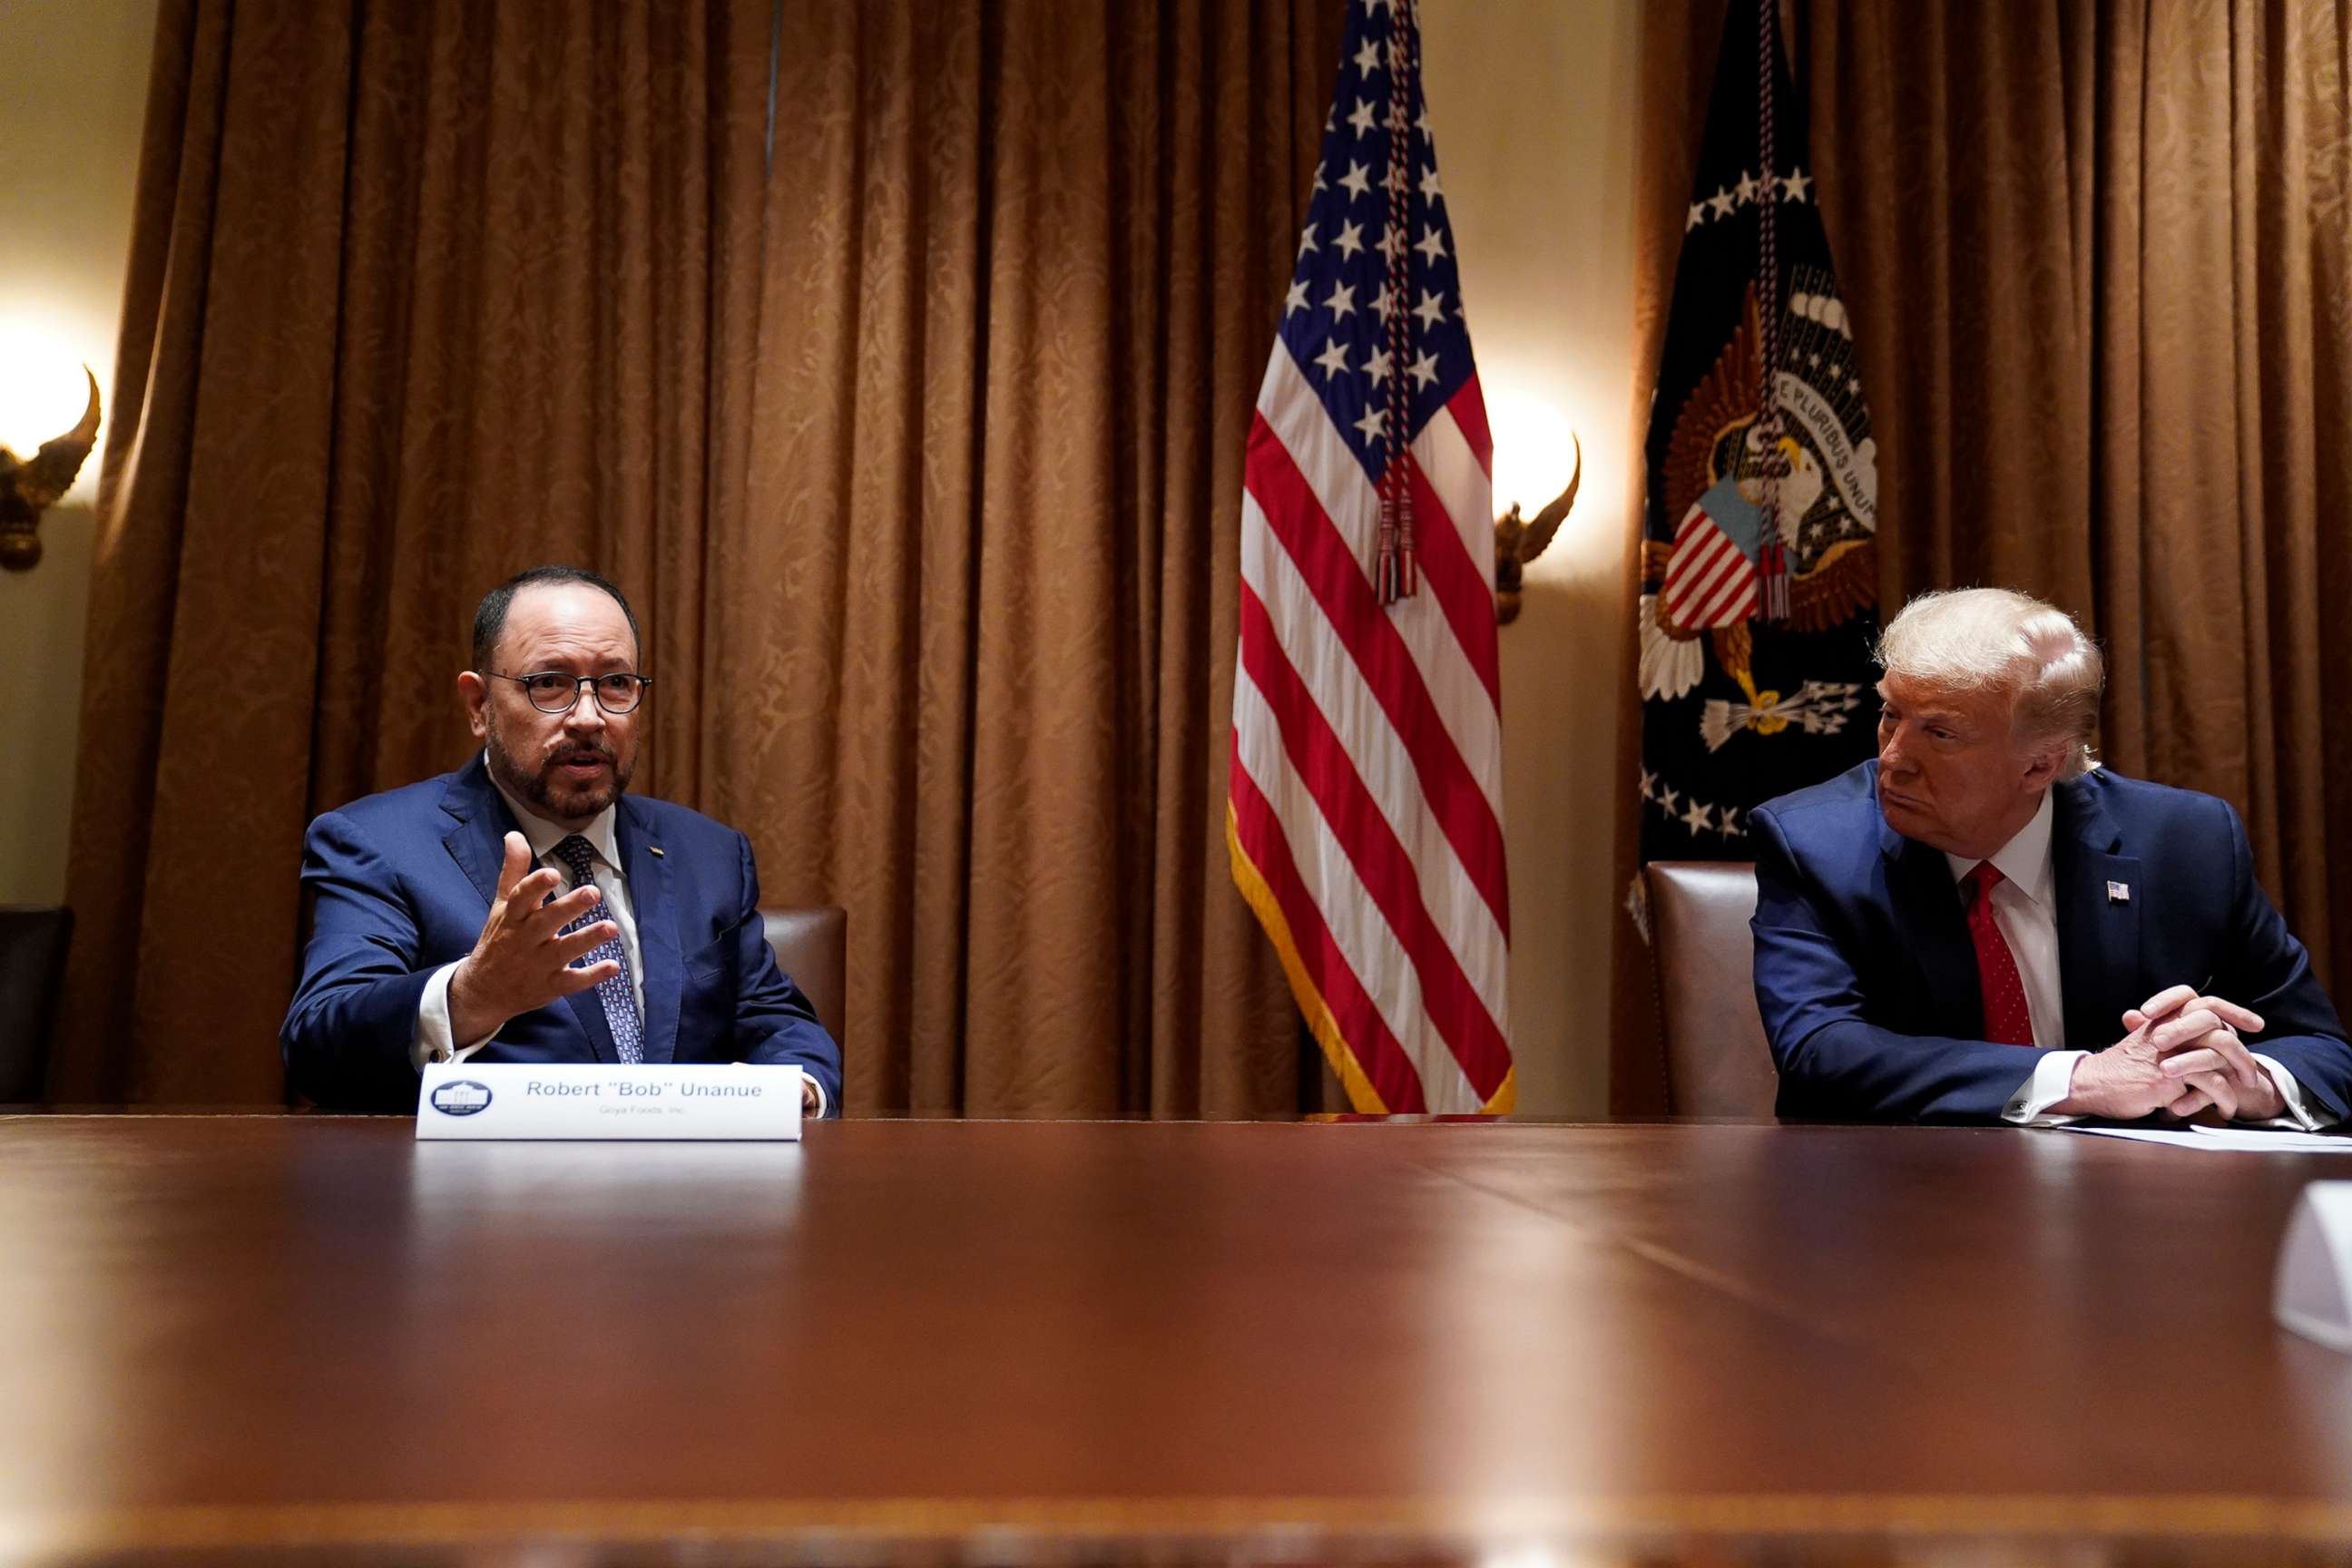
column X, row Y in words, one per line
column 617, row 996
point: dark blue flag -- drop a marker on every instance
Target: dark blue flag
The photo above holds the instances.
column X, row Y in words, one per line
column 1759, row 558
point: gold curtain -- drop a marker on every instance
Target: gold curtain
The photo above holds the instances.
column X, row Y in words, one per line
column 917, row 448
column 2099, row 260
column 1023, row 266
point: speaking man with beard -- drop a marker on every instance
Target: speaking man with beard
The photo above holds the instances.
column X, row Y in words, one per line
column 527, row 907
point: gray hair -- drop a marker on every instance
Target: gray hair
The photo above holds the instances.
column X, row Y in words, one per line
column 1976, row 638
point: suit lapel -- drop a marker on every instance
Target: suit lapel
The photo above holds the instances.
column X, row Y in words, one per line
column 656, row 913
column 1920, row 885
column 2098, row 933
column 476, row 841
column 476, row 838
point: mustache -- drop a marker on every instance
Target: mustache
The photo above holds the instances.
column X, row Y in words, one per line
column 582, row 751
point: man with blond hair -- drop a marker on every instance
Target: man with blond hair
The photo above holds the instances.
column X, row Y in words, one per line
column 1984, row 924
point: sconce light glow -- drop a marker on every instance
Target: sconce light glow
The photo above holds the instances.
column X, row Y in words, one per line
column 42, row 388
column 1534, row 454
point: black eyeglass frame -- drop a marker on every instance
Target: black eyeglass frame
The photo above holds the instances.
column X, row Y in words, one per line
column 590, row 682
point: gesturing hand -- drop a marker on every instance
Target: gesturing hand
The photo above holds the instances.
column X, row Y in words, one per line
column 2181, row 1055
column 521, row 960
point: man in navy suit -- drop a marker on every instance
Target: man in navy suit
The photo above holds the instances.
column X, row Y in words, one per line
column 1984, row 925
column 527, row 907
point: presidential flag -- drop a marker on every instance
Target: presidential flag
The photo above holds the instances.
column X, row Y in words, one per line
column 1364, row 814
column 1759, row 558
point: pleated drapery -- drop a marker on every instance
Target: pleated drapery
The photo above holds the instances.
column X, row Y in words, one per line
column 916, row 446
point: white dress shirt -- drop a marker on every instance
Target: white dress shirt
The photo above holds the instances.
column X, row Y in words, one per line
column 2025, row 911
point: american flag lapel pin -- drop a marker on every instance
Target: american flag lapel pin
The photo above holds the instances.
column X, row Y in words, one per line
column 2119, row 892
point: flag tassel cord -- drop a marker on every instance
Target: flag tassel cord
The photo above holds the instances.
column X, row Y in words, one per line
column 1397, row 574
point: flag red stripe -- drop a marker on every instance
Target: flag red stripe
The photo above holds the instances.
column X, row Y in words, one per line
column 1468, row 407
column 1733, row 603
column 1375, row 1049
column 1734, row 583
column 1715, row 573
column 1690, row 570
column 1340, row 587
column 1381, row 860
column 1466, row 595
column 1701, row 568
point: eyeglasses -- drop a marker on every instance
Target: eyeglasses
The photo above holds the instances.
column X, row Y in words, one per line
column 552, row 691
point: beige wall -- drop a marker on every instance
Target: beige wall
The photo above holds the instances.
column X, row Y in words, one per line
column 73, row 87
column 1532, row 102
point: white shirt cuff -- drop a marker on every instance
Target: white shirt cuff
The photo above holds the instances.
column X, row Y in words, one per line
column 432, row 1042
column 2299, row 1114
column 2053, row 1080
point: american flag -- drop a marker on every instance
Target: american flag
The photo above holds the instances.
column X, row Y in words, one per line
column 1364, row 813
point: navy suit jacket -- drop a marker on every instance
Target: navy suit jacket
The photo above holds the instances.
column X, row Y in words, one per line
column 402, row 882
column 1867, row 979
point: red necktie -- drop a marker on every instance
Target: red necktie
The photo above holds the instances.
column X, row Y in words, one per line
column 2006, row 1020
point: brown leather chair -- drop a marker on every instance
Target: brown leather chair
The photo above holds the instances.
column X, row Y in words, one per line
column 32, row 962
column 813, row 947
column 1718, row 1063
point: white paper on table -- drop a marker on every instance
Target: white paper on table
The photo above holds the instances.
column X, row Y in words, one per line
column 2229, row 1140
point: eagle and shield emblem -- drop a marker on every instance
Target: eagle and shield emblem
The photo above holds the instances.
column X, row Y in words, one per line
column 1760, row 559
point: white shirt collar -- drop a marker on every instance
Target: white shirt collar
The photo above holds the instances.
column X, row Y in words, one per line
column 2024, row 860
column 544, row 835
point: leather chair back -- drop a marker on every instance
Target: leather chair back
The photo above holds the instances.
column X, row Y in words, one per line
column 813, row 947
column 1717, row 1062
column 32, row 964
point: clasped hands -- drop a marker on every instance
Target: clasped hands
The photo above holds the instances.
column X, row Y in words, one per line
column 2181, row 1057
column 523, row 959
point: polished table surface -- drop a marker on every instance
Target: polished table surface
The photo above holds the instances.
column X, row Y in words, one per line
column 314, row 1338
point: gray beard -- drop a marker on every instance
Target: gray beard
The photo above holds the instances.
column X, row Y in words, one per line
column 532, row 789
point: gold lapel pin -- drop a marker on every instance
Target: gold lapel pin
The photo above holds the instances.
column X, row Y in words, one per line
column 654, row 850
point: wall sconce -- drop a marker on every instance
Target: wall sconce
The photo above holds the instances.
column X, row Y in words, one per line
column 30, row 487
column 1518, row 541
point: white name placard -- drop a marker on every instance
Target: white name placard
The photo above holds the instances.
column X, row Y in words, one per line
column 574, row 1100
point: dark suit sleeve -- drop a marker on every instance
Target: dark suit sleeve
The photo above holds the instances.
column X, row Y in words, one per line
column 774, row 1023
column 2268, row 970
column 348, row 1031
column 1834, row 1064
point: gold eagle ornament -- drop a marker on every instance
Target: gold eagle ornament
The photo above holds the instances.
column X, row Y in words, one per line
column 30, row 487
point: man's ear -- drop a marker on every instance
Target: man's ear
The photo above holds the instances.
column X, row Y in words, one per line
column 2041, row 770
column 476, row 693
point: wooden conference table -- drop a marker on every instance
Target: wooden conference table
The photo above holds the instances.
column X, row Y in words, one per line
column 280, row 1338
